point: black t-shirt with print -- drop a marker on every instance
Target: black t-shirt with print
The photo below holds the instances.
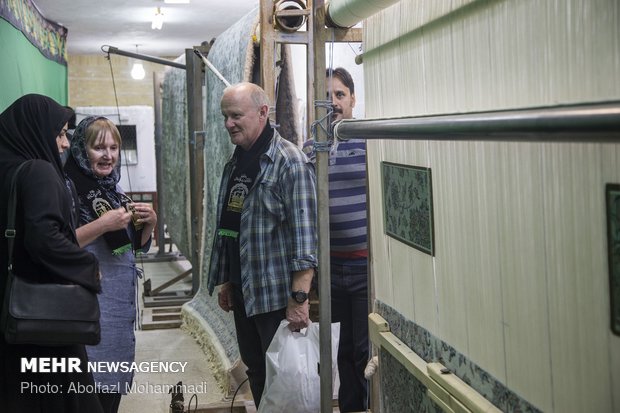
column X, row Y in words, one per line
column 241, row 180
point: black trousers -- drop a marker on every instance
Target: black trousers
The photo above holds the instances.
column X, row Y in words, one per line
column 254, row 334
column 350, row 309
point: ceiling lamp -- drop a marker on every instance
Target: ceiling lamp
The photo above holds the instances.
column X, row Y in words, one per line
column 137, row 71
column 158, row 20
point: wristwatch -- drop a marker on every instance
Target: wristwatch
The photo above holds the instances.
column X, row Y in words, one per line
column 299, row 296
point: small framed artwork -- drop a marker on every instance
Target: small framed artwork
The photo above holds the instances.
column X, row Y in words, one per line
column 612, row 201
column 408, row 205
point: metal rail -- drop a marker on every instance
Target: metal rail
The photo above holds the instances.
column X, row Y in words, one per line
column 587, row 123
column 114, row 50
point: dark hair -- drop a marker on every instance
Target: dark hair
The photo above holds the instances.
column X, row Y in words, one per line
column 344, row 76
column 71, row 122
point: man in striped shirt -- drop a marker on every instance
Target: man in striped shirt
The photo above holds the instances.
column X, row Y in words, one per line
column 348, row 246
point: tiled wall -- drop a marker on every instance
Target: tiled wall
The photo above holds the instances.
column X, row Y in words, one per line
column 92, row 83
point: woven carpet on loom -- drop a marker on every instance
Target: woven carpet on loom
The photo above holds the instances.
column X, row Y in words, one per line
column 175, row 158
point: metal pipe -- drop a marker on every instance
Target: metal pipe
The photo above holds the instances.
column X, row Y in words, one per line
column 211, row 67
column 589, row 123
column 316, row 23
column 347, row 13
column 114, row 50
column 159, row 174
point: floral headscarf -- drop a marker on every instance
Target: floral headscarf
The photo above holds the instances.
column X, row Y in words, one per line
column 80, row 156
column 97, row 194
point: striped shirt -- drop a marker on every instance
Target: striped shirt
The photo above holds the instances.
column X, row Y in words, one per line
column 278, row 228
column 347, row 200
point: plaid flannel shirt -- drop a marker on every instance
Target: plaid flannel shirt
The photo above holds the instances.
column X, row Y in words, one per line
column 278, row 233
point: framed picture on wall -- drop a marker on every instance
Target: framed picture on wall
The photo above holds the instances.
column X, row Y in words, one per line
column 408, row 205
column 612, row 201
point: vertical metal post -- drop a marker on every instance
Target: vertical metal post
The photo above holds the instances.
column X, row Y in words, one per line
column 161, row 237
column 310, row 59
column 317, row 24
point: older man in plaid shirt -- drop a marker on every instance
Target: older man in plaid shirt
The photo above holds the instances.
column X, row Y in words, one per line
column 265, row 249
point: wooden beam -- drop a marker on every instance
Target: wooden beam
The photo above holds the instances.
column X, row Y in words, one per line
column 267, row 51
column 459, row 390
column 292, row 38
column 376, row 325
column 170, row 282
column 346, row 35
column 195, row 127
column 448, row 391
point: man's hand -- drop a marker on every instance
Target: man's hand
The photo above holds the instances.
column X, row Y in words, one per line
column 297, row 314
column 225, row 297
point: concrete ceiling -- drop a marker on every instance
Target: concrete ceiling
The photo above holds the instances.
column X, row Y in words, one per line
column 125, row 23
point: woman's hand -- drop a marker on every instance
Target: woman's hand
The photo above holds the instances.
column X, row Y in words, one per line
column 114, row 219
column 145, row 214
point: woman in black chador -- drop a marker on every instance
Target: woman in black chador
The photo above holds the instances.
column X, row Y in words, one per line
column 46, row 250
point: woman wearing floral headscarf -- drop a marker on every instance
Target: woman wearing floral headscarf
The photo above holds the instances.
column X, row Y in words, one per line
column 114, row 228
column 46, row 250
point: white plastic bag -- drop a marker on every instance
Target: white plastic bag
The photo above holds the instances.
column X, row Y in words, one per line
column 292, row 381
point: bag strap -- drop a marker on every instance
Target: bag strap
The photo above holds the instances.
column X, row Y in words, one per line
column 9, row 232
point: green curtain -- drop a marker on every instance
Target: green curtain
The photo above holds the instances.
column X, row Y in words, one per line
column 23, row 69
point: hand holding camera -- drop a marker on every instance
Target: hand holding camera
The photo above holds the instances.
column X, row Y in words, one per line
column 142, row 214
column 135, row 217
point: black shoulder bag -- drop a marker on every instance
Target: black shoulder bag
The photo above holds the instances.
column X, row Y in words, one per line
column 46, row 314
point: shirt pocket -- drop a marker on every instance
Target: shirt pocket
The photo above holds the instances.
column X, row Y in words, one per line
column 270, row 201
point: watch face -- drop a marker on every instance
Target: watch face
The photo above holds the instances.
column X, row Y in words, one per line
column 300, row 296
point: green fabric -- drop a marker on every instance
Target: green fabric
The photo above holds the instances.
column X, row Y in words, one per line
column 47, row 36
column 122, row 250
column 23, row 69
column 228, row 233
